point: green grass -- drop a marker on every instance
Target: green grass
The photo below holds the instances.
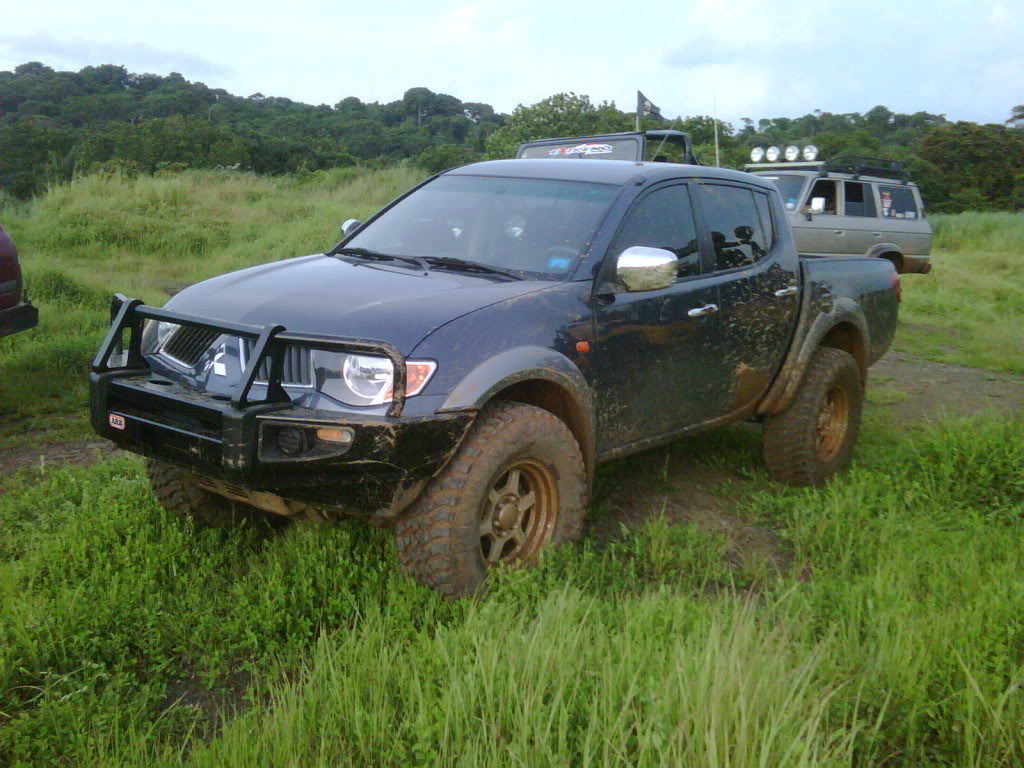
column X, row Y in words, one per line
column 893, row 638
column 970, row 309
column 889, row 633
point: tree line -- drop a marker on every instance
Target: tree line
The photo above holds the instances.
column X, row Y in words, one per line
column 55, row 124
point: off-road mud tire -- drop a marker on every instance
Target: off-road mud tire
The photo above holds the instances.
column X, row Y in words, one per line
column 793, row 450
column 438, row 539
column 177, row 492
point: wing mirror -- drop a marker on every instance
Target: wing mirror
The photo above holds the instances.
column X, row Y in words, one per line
column 817, row 206
column 640, row 268
column 350, row 226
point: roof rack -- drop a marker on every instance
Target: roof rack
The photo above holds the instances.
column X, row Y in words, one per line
column 859, row 165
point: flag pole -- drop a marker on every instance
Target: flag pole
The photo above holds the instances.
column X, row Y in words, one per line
column 714, row 116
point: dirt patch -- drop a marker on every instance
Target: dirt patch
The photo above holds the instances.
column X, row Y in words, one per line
column 50, row 455
column 212, row 706
column 910, row 388
column 690, row 493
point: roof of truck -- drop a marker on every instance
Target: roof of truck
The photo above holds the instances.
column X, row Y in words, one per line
column 618, row 172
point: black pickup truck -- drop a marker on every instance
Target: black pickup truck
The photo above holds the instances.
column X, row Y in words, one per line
column 458, row 364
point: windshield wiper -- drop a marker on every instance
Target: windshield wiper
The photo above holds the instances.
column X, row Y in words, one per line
column 367, row 253
column 467, row 266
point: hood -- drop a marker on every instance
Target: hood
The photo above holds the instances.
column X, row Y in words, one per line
column 326, row 295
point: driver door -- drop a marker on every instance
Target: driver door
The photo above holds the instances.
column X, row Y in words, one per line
column 656, row 366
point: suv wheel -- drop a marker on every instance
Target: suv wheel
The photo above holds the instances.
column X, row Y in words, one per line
column 814, row 438
column 177, row 492
column 516, row 486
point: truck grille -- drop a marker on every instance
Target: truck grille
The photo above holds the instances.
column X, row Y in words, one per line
column 297, row 370
column 188, row 344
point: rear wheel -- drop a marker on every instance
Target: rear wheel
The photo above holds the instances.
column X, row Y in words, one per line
column 177, row 492
column 516, row 486
column 814, row 438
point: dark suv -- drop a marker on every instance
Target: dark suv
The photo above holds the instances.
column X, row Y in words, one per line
column 16, row 312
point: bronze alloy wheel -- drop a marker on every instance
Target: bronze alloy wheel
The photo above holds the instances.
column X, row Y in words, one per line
column 516, row 485
column 518, row 516
column 814, row 437
column 833, row 422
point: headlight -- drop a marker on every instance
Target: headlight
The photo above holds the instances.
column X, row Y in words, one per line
column 155, row 334
column 367, row 379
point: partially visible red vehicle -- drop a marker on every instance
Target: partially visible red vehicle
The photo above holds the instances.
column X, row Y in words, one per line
column 16, row 311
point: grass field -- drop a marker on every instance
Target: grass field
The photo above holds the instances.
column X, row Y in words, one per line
column 886, row 631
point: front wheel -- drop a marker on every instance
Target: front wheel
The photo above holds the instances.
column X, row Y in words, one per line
column 814, row 438
column 177, row 492
column 516, row 486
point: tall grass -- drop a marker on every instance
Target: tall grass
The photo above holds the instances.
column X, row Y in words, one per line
column 894, row 638
column 979, row 232
column 970, row 309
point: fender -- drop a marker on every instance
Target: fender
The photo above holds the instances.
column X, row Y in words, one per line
column 878, row 249
column 808, row 337
column 531, row 363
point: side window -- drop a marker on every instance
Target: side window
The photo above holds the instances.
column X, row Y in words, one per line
column 860, row 199
column 736, row 231
column 898, row 202
column 663, row 219
column 826, row 189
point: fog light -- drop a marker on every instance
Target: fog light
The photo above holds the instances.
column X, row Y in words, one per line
column 342, row 435
column 292, row 441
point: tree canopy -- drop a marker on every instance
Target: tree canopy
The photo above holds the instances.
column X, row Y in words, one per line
column 54, row 124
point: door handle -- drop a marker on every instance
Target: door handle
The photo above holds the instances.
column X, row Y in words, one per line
column 790, row 291
column 877, row 234
column 838, row 231
column 707, row 309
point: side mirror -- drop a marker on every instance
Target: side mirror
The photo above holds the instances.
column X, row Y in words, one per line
column 640, row 268
column 817, row 205
column 350, row 226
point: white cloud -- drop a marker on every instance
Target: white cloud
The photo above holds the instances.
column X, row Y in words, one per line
column 762, row 59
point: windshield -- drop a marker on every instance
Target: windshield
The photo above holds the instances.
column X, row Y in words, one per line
column 535, row 227
column 790, row 186
column 588, row 149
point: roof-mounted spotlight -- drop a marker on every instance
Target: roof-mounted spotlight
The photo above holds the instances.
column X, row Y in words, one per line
column 792, row 152
column 756, row 155
column 772, row 154
column 810, row 153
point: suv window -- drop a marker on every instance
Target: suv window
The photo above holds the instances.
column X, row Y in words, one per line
column 663, row 219
column 860, row 199
column 790, row 187
column 898, row 202
column 736, row 229
column 826, row 189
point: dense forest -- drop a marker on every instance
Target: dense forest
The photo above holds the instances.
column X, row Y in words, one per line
column 104, row 118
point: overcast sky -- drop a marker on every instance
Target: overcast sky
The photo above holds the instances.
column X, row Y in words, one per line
column 963, row 59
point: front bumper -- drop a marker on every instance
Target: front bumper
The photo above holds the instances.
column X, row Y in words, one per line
column 18, row 318
column 232, row 440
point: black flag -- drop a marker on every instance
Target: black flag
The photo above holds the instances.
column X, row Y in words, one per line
column 645, row 107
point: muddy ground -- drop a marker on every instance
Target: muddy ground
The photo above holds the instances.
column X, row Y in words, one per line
column 903, row 387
